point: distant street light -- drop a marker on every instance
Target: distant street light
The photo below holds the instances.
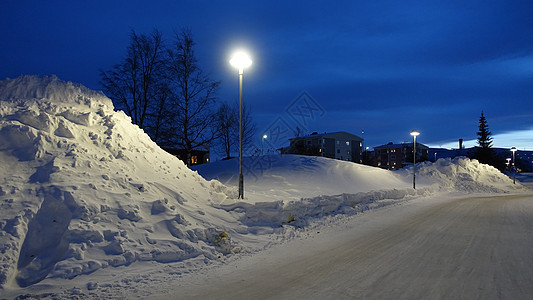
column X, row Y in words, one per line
column 240, row 60
column 262, row 142
column 414, row 133
column 513, row 169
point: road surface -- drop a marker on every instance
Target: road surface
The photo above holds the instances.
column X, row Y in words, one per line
column 467, row 248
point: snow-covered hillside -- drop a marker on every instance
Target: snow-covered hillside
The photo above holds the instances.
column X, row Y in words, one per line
column 83, row 190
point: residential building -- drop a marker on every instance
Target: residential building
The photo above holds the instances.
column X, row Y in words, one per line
column 338, row 145
column 396, row 156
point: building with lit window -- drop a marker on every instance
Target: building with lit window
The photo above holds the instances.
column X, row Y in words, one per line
column 396, row 156
column 338, row 145
column 198, row 157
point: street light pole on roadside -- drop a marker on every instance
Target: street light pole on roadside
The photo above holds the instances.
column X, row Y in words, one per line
column 262, row 142
column 240, row 60
column 414, row 133
column 513, row 168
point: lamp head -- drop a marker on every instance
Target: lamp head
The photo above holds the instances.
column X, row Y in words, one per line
column 513, row 149
column 240, row 60
column 265, row 136
column 415, row 132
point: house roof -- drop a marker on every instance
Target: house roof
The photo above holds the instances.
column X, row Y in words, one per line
column 390, row 146
column 399, row 145
column 327, row 134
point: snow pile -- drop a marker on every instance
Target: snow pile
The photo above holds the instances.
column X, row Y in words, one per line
column 292, row 177
column 313, row 187
column 300, row 213
column 295, row 189
column 82, row 188
column 462, row 174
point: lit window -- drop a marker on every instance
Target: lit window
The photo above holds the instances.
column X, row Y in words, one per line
column 319, row 150
column 347, row 143
column 194, row 159
column 348, row 152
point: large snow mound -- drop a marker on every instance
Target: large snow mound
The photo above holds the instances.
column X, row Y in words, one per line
column 292, row 177
column 82, row 188
column 462, row 174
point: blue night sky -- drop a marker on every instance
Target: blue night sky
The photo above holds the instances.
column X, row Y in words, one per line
column 385, row 67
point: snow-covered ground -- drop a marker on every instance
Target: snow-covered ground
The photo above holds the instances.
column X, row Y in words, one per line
column 91, row 207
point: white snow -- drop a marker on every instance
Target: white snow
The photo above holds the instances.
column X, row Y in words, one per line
column 86, row 197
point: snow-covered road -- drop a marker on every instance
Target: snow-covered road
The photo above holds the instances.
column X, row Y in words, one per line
column 461, row 248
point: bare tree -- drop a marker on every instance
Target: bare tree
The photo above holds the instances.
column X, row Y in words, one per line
column 194, row 97
column 227, row 119
column 249, row 129
column 228, row 124
column 138, row 81
column 161, row 116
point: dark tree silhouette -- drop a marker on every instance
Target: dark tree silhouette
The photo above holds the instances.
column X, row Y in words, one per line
column 484, row 152
column 228, row 124
column 227, row 117
column 194, row 97
column 137, row 85
column 165, row 92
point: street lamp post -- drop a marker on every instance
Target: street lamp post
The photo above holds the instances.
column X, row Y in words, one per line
column 414, row 133
column 513, row 168
column 240, row 60
column 262, row 142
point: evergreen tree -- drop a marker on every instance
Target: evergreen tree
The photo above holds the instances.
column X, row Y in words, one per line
column 484, row 152
column 484, row 135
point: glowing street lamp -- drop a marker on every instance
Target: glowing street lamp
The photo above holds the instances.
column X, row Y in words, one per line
column 513, row 169
column 240, row 60
column 262, row 142
column 414, row 133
